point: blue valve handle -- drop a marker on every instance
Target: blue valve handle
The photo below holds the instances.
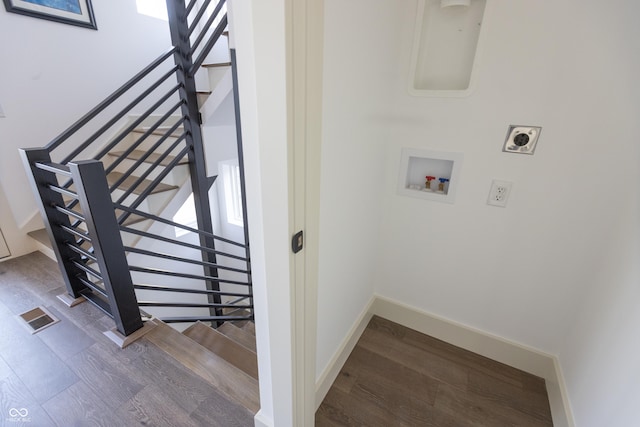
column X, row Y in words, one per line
column 443, row 180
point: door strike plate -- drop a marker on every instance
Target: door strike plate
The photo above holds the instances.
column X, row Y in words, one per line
column 297, row 242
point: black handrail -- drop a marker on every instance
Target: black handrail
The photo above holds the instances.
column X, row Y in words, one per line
column 185, row 275
column 191, row 305
column 194, row 23
column 180, row 259
column 154, row 184
column 138, row 121
column 179, row 243
column 118, row 116
column 55, row 168
column 207, row 25
column 178, row 225
column 110, row 100
column 77, row 249
column 197, row 63
column 146, row 134
column 161, row 288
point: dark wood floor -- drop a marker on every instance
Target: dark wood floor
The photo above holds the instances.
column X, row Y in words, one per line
column 71, row 375
column 398, row 377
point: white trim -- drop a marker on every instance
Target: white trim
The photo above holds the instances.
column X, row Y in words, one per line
column 485, row 344
column 330, row 373
column 44, row 249
column 561, row 411
column 260, row 420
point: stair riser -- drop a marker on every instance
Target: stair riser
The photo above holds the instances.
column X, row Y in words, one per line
column 177, row 176
column 149, row 141
column 153, row 203
column 219, row 53
column 216, row 75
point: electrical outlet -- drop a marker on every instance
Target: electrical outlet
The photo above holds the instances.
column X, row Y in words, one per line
column 499, row 193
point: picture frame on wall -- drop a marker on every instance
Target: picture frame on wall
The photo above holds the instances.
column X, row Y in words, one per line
column 72, row 12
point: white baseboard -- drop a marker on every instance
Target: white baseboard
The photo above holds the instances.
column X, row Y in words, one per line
column 510, row 353
column 330, row 373
column 494, row 347
column 259, row 420
column 46, row 250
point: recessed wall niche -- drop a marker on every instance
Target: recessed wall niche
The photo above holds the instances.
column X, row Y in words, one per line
column 429, row 175
column 446, row 39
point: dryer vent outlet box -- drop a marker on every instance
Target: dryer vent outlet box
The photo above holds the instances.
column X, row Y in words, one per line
column 522, row 139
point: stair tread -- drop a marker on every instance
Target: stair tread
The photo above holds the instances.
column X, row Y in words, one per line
column 231, row 351
column 41, row 236
column 217, row 64
column 230, row 380
column 130, row 180
column 239, row 335
column 138, row 154
column 250, row 327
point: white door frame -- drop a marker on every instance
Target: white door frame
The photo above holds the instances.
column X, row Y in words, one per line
column 279, row 52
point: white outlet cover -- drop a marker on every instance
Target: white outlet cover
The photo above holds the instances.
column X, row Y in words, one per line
column 499, row 193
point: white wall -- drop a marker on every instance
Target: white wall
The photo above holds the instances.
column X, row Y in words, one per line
column 17, row 244
column 600, row 355
column 599, row 351
column 351, row 167
column 524, row 272
column 516, row 271
column 53, row 73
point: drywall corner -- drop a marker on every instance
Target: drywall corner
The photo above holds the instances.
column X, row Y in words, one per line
column 330, row 373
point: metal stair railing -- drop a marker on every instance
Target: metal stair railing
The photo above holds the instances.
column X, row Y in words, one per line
column 86, row 217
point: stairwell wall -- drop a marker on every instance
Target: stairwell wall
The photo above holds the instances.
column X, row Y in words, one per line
column 55, row 73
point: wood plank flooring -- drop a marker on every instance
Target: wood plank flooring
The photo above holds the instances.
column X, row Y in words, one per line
column 70, row 374
column 399, row 377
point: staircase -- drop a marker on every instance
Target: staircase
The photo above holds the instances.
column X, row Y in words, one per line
column 218, row 356
column 108, row 189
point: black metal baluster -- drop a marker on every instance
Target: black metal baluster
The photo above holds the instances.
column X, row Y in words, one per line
column 197, row 167
column 236, row 102
column 54, row 220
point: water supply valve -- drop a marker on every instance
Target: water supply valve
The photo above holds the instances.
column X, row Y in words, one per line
column 442, row 183
column 427, row 184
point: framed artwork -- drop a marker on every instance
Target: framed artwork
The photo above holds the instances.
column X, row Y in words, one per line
column 73, row 12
